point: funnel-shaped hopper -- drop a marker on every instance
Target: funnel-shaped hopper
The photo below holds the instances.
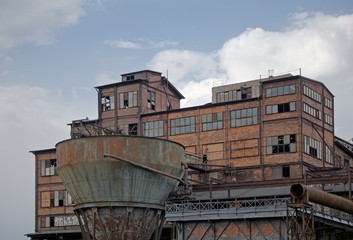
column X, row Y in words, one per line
column 115, row 199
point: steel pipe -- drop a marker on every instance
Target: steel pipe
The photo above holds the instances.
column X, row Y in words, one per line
column 300, row 191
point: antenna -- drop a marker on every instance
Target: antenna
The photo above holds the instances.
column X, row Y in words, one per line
column 271, row 72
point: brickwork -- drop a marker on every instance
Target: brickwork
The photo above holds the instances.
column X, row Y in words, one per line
column 264, row 144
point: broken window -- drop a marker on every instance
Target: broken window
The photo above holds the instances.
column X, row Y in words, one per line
column 128, row 99
column 59, row 221
column 312, row 147
column 130, row 78
column 280, row 108
column 151, row 100
column 281, row 144
column 48, row 167
column 56, row 198
column 107, row 103
column 133, row 129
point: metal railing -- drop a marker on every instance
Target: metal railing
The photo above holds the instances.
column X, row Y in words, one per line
column 199, row 206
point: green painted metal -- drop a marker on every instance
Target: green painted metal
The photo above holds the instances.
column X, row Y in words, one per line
column 97, row 182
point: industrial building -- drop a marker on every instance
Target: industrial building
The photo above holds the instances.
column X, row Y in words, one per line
column 244, row 150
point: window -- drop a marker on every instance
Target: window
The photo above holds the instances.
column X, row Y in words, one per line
column 329, row 158
column 151, row 100
column 281, row 144
column 130, row 78
column 48, row 167
column 285, row 171
column 278, row 91
column 243, row 117
column 182, row 125
column 133, row 129
column 153, row 129
column 59, row 221
column 312, row 94
column 107, row 103
column 55, row 199
column 239, row 94
column 328, row 103
column 312, row 147
column 280, row 108
column 212, row 121
column 328, row 119
column 312, row 111
column 128, row 99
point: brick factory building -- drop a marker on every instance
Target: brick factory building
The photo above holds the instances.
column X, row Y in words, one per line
column 247, row 146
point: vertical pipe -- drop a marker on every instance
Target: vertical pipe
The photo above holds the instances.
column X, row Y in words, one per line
column 94, row 225
column 350, row 182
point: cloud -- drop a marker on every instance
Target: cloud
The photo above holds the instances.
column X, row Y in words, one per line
column 36, row 21
column 184, row 65
column 122, row 44
column 320, row 45
column 107, row 78
column 317, row 43
column 141, row 43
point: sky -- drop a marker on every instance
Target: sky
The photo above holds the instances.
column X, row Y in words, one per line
column 53, row 54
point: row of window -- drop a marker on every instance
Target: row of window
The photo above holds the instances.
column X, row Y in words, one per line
column 59, row 221
column 279, row 91
column 127, row 100
column 280, row 108
column 312, row 111
column 56, row 198
column 234, row 95
column 312, row 94
column 312, row 147
column 328, row 103
column 328, row 119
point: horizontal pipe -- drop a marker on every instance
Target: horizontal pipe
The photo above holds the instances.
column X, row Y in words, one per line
column 145, row 167
column 323, row 198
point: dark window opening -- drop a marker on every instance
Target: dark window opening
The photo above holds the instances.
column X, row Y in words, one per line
column 286, row 171
column 151, row 100
column 133, row 129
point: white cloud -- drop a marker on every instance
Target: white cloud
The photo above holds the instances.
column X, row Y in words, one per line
column 107, row 78
column 122, row 44
column 141, row 43
column 184, row 66
column 319, row 44
column 36, row 21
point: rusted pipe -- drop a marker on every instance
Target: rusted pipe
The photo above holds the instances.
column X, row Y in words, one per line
column 300, row 191
column 145, row 167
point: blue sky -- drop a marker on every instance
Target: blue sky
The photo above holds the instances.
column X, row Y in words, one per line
column 53, row 54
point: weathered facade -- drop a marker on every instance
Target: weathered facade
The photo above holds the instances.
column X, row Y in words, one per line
column 264, row 132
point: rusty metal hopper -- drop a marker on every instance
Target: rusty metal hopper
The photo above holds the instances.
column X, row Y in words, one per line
column 115, row 198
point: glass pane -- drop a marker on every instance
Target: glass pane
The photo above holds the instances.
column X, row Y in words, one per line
column 292, row 89
column 274, row 91
column 286, row 90
column 280, row 91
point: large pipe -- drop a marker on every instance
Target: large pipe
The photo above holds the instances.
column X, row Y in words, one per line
column 300, row 191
